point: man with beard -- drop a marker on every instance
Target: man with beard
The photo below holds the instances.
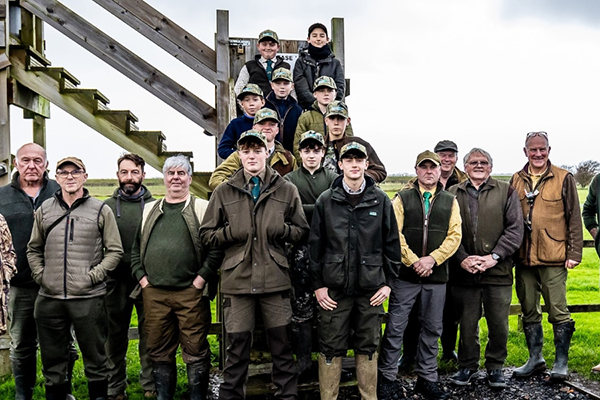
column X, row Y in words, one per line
column 127, row 203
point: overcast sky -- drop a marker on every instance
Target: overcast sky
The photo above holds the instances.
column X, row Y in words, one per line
column 481, row 73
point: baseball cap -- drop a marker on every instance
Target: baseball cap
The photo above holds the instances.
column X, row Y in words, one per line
column 337, row 108
column 71, row 160
column 268, row 35
column 324, row 81
column 265, row 114
column 445, row 145
column 282, row 74
column 253, row 135
column 250, row 88
column 353, row 147
column 311, row 135
column 428, row 156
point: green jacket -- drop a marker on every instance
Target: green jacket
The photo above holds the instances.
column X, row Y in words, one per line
column 310, row 186
column 254, row 236
column 72, row 248
column 591, row 209
column 281, row 161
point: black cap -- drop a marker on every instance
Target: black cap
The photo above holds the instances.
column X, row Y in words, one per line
column 445, row 145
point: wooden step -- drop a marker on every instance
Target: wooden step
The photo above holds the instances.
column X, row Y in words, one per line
column 92, row 98
column 34, row 58
column 152, row 140
column 124, row 119
column 59, row 74
column 200, row 184
column 167, row 154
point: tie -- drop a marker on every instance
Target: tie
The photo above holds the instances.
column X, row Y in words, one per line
column 255, row 188
column 269, row 69
column 427, row 203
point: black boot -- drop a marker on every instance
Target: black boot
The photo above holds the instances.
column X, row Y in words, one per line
column 165, row 379
column 236, row 365
column 284, row 368
column 562, row 342
column 534, row 334
column 198, row 374
column 24, row 371
column 302, row 343
column 98, row 390
column 73, row 356
column 57, row 392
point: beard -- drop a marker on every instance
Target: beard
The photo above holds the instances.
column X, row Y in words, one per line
column 130, row 188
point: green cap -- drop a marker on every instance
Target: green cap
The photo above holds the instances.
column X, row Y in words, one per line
column 268, row 35
column 264, row 114
column 253, row 135
column 337, row 108
column 428, row 156
column 324, row 81
column 311, row 135
column 282, row 74
column 353, row 147
column 250, row 88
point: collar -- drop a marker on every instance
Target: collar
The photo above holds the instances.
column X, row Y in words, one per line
column 261, row 176
column 348, row 190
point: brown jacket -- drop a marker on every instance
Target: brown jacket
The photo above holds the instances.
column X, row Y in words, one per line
column 254, row 236
column 553, row 228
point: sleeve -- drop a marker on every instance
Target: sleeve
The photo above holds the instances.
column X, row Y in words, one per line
column 113, row 247
column 305, row 95
column 316, row 248
column 453, row 238
column 512, row 237
column 35, row 248
column 590, row 207
column 137, row 268
column 214, row 228
column 391, row 239
column 376, row 169
column 8, row 256
column 297, row 227
column 225, row 170
column 300, row 129
column 340, row 79
column 408, row 256
column 573, row 219
column 242, row 80
column 227, row 145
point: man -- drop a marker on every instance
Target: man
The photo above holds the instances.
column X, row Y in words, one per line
column 253, row 217
column 591, row 214
column 29, row 188
column 173, row 269
column 74, row 243
column 430, row 233
column 449, row 175
column 351, row 275
column 127, row 203
column 336, row 120
column 552, row 245
column 278, row 158
column 481, row 269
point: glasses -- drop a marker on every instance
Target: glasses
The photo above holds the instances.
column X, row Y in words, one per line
column 75, row 173
column 540, row 133
column 476, row 163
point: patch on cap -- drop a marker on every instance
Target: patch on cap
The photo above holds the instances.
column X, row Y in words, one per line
column 428, row 156
column 353, row 147
column 282, row 74
column 250, row 88
column 312, row 135
column 337, row 108
column 264, row 114
column 253, row 135
column 324, row 81
column 71, row 160
column 268, row 35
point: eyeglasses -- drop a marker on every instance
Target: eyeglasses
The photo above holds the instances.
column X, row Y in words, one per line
column 75, row 174
column 476, row 163
column 540, row 133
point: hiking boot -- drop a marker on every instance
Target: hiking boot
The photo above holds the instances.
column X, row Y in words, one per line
column 496, row 378
column 431, row 390
column 386, row 388
column 463, row 376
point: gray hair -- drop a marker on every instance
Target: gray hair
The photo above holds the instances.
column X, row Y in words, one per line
column 36, row 146
column 477, row 150
column 178, row 161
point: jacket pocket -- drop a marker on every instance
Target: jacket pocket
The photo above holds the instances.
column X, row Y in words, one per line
column 551, row 246
column 279, row 258
column 334, row 273
column 233, row 260
column 370, row 272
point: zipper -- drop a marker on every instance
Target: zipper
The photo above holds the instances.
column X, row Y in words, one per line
column 426, row 224
column 72, row 231
column 65, row 257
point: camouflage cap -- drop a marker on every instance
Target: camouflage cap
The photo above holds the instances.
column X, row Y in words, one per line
column 324, row 81
column 445, row 145
column 353, row 147
column 250, row 88
column 337, row 108
column 428, row 156
column 282, row 74
column 71, row 160
column 264, row 114
column 253, row 135
column 268, row 35
column 311, row 135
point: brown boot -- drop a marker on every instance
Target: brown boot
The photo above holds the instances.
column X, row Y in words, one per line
column 329, row 377
column 366, row 374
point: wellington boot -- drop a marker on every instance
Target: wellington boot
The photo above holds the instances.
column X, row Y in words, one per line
column 98, row 389
column 165, row 379
column 24, row 371
column 534, row 334
column 329, row 377
column 366, row 374
column 197, row 374
column 302, row 344
column 562, row 341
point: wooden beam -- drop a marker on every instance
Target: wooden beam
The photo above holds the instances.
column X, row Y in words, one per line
column 166, row 34
column 223, row 72
column 4, row 103
column 124, row 61
column 28, row 100
column 39, row 129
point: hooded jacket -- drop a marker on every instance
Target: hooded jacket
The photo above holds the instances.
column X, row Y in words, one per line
column 591, row 209
column 289, row 119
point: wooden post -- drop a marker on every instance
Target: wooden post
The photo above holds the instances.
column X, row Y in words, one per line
column 39, row 130
column 4, row 108
column 223, row 74
column 337, row 45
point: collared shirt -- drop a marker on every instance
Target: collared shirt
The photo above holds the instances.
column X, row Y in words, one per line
column 248, row 177
column 349, row 190
column 535, row 177
column 448, row 246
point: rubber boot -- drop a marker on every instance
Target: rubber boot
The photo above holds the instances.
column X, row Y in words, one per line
column 165, row 379
column 236, row 366
column 73, row 356
column 198, row 374
column 534, row 334
column 57, row 392
column 366, row 374
column 24, row 371
column 302, row 343
column 284, row 373
column 98, row 390
column 329, row 377
column 562, row 342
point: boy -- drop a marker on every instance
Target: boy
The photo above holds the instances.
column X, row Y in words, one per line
column 253, row 217
column 350, row 274
column 313, row 119
column 311, row 179
column 286, row 106
column 281, row 160
column 314, row 61
column 260, row 70
column 251, row 99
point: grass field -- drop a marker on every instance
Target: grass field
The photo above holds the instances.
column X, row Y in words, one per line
column 582, row 288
